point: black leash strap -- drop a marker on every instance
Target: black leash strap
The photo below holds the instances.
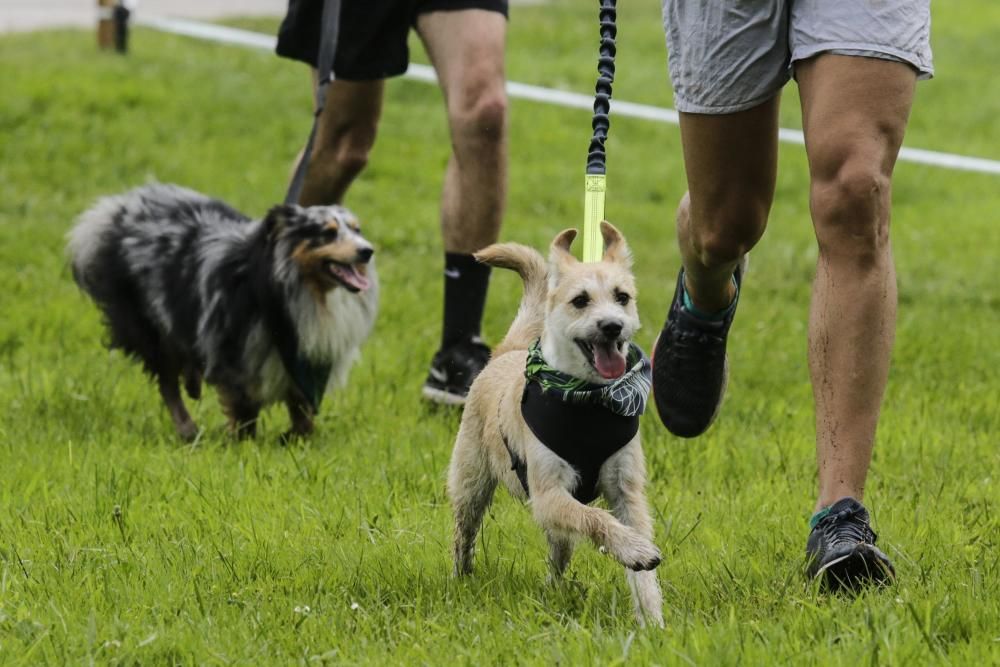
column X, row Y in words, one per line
column 324, row 75
column 310, row 378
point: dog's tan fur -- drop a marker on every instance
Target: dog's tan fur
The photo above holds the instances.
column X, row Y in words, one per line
column 492, row 414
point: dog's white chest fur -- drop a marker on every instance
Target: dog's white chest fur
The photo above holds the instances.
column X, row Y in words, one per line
column 330, row 332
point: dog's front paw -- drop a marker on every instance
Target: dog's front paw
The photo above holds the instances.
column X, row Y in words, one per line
column 637, row 553
column 646, row 563
column 300, row 430
column 650, row 619
column 463, row 561
column 188, row 431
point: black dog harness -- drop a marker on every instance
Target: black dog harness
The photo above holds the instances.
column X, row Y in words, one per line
column 584, row 433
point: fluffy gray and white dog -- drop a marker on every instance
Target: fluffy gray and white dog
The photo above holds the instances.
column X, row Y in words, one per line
column 265, row 310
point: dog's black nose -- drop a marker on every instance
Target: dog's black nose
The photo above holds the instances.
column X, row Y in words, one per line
column 365, row 254
column 610, row 328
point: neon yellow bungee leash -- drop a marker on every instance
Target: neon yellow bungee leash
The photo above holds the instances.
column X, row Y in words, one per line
column 593, row 213
column 595, row 185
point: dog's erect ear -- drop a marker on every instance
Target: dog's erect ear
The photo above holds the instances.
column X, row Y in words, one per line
column 279, row 217
column 559, row 252
column 615, row 248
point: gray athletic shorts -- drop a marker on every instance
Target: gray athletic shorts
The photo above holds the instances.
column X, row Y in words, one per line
column 731, row 55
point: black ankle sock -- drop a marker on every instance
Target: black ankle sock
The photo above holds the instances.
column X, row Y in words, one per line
column 465, row 285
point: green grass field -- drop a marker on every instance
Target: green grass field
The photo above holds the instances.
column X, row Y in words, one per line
column 120, row 545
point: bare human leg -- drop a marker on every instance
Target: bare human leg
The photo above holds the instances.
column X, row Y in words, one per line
column 854, row 114
column 467, row 50
column 344, row 138
column 731, row 164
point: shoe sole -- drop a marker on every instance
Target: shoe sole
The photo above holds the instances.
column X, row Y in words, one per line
column 855, row 570
column 441, row 396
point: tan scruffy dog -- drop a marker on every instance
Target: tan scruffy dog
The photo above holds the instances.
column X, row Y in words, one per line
column 546, row 433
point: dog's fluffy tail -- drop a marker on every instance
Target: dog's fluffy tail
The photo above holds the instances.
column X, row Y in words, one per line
column 531, row 266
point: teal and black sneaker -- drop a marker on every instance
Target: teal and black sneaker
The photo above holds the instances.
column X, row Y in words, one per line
column 841, row 550
column 690, row 369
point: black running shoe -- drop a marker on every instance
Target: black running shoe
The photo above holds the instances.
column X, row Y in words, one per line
column 453, row 370
column 842, row 552
column 690, row 370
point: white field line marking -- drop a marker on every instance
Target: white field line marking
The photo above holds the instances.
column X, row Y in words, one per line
column 524, row 91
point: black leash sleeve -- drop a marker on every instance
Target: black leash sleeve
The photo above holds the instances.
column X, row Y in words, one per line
column 596, row 163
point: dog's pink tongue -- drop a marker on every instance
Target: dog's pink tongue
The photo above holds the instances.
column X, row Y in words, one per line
column 351, row 276
column 608, row 361
column 358, row 279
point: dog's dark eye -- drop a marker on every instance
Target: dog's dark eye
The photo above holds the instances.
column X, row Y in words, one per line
column 580, row 301
column 328, row 235
column 622, row 298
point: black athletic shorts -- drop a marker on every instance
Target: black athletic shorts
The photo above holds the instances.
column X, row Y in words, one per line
column 371, row 43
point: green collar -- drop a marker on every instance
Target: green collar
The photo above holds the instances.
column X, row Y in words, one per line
column 625, row 396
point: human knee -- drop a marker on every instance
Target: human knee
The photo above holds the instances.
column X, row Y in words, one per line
column 480, row 110
column 851, row 211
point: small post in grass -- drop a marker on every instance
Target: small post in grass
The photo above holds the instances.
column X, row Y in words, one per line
column 112, row 24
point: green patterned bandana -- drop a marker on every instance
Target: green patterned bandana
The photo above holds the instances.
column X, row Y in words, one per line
column 625, row 396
